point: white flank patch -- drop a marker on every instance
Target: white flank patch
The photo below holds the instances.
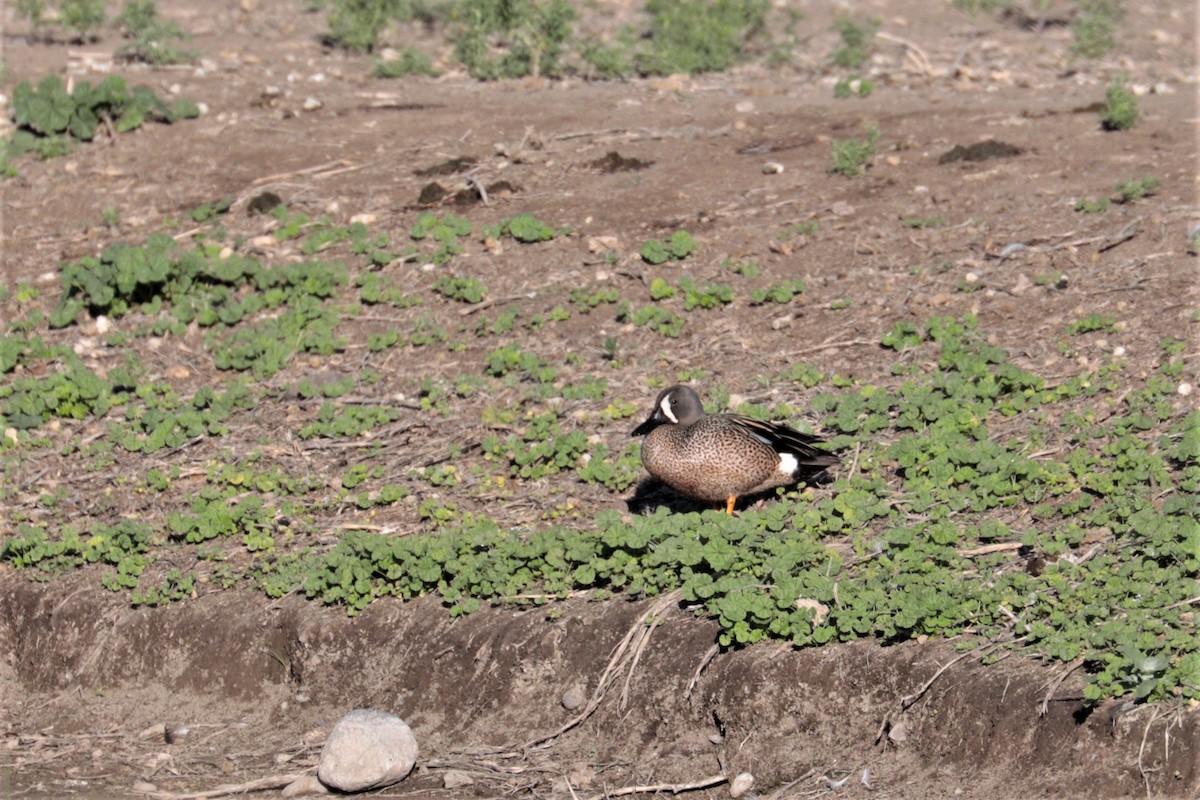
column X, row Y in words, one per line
column 665, row 405
column 788, row 463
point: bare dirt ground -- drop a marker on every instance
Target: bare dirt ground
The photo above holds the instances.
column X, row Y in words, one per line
column 85, row 679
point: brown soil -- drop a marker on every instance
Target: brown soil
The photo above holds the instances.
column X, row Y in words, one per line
column 84, row 678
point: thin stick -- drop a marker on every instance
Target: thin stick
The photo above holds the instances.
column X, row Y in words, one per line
column 611, row 669
column 778, row 793
column 988, row 549
column 1053, row 686
column 562, row 137
column 495, row 302
column 708, row 656
column 229, row 789
column 637, row 656
column 306, row 171
column 917, row 55
column 909, row 699
column 832, row 345
column 1145, row 772
column 673, row 788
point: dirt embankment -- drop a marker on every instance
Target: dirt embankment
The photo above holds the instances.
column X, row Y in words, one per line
column 257, row 686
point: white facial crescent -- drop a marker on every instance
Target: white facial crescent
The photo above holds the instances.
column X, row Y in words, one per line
column 665, row 406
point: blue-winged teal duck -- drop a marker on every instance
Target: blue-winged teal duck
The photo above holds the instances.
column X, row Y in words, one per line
column 719, row 457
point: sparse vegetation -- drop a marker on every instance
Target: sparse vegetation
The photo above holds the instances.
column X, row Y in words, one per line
column 49, row 117
column 1135, row 189
column 82, row 17
column 513, row 38
column 851, row 157
column 1120, row 107
column 1094, row 28
column 1090, row 206
column 678, row 247
column 692, row 36
column 408, row 61
column 856, row 41
column 853, row 85
column 155, row 40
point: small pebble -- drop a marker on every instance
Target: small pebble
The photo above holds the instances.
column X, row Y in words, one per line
column 741, row 783
column 574, row 697
column 456, row 779
column 772, row 168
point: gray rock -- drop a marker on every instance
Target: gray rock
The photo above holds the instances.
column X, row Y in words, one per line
column 367, row 749
column 456, row 779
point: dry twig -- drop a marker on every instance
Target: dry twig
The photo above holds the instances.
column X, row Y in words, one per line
column 229, row 789
column 1053, row 685
column 673, row 788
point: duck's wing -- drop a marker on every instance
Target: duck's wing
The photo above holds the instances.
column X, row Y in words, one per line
column 783, row 439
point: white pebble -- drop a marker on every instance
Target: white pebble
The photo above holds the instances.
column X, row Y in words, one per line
column 1185, row 389
column 741, row 783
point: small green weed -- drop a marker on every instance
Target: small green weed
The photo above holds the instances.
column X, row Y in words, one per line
column 1135, row 189
column 334, row 422
column 524, row 228
column 777, row 293
column 747, row 269
column 656, row 318
column 1094, row 28
column 851, row 156
column 512, row 39
column 799, row 229
column 710, row 296
column 693, row 36
column 174, row 587
column 358, row 24
column 923, row 222
column 155, row 40
column 445, row 231
column 374, row 291
column 856, row 42
column 465, row 290
column 1120, row 106
column 605, row 61
column 986, row 6
column 678, row 247
column 84, row 17
column 853, row 85
column 1090, row 206
column 589, row 299
column 1091, row 323
column 408, row 61
column 48, row 110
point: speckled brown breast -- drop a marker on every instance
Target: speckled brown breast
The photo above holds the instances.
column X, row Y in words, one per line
column 711, row 460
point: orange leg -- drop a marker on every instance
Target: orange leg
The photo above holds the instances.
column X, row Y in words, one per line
column 729, row 504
